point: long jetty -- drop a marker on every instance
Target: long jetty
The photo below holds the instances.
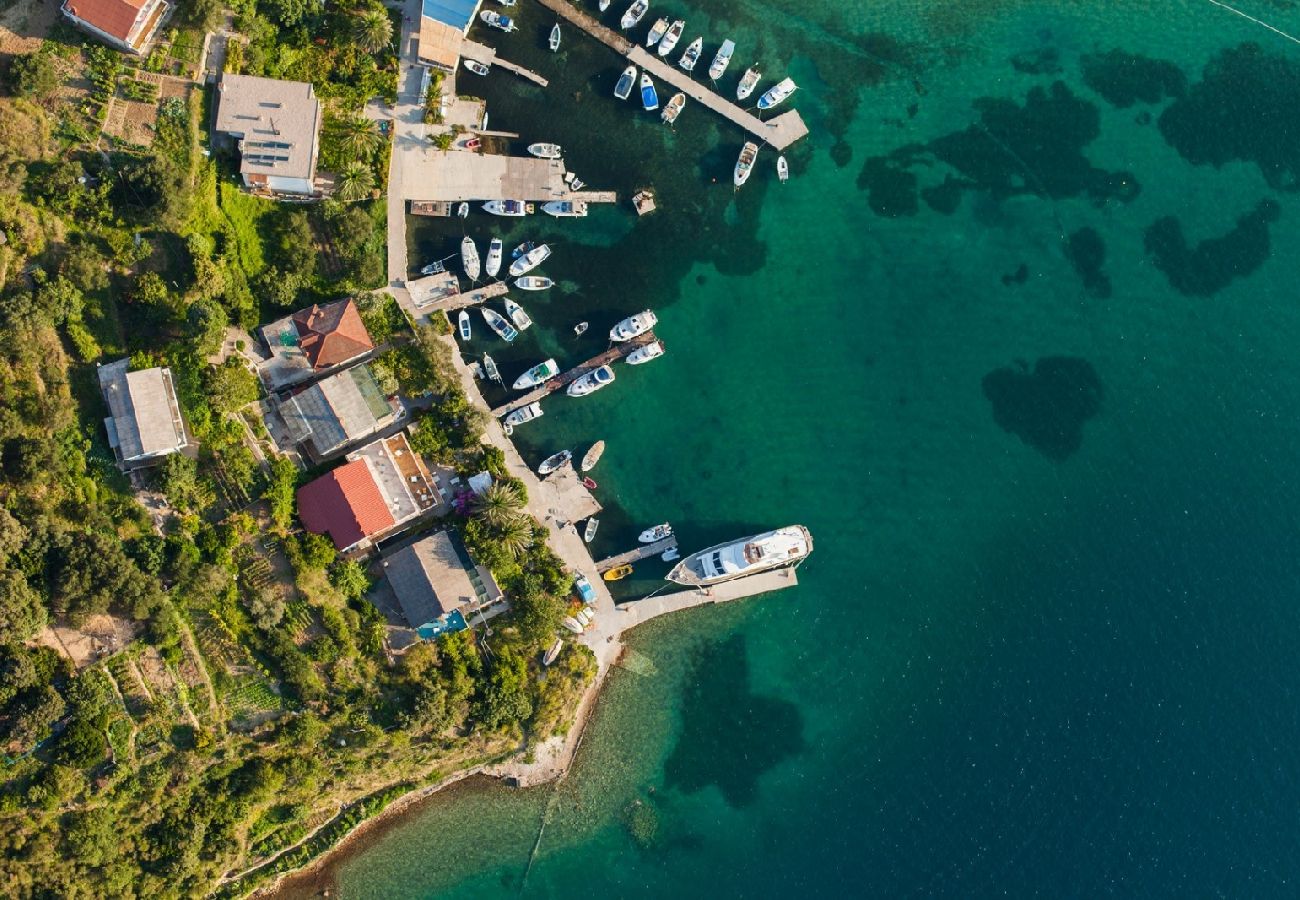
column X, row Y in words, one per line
column 488, row 56
column 645, row 551
column 780, row 132
column 638, row 611
column 564, row 379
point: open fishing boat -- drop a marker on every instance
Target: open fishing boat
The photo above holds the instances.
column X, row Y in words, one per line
column 722, row 60
column 554, row 461
column 782, row 169
column 490, row 367
column 537, row 374
column 533, row 283
column 524, row 414
column 745, row 163
column 463, row 210
column 469, row 256
column 674, row 108
column 649, row 99
column 493, row 264
column 572, row 624
column 555, row 37
column 591, row 382
column 433, row 268
column 580, row 329
column 545, row 151
column 477, row 67
column 671, row 37
column 634, row 14
column 652, row 350
column 512, row 208
column 565, row 209
column 657, row 31
column 633, row 326
column 658, row 533
column 589, row 532
column 592, row 456
column 498, row 323
column 462, row 323
column 777, row 93
column 692, row 55
column 618, row 573
column 589, row 484
column 517, row 315
column 523, row 248
column 529, row 261
column 748, row 82
column 554, row 653
column 670, row 554
column 496, row 20
column 623, row 89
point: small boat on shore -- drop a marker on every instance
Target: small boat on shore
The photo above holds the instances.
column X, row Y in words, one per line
column 517, row 315
column 591, row 382
column 539, row 373
column 633, row 326
column 745, row 163
column 589, row 532
column 592, row 456
column 692, row 55
column 671, row 37
column 635, row 13
column 618, row 573
column 747, row 556
column 585, row 591
column 565, row 209
column 652, row 350
column 554, row 653
column 493, row 264
column 649, row 99
column 657, row 31
column 477, row 67
column 722, row 60
column 524, row 414
column 777, row 93
column 572, row 624
column 512, row 208
column 580, row 329
column 658, row 533
column 545, row 151
column 529, row 261
column 586, row 616
column 554, row 461
column 748, row 82
column 555, row 37
column 674, row 108
column 462, row 324
column 523, row 248
column 498, row 323
column 623, row 89
column 498, row 21
column 469, row 256
column 490, row 368
column 533, row 283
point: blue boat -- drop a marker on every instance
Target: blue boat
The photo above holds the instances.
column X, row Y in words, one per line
column 649, row 99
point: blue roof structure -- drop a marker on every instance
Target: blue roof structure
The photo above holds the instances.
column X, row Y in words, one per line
column 456, row 13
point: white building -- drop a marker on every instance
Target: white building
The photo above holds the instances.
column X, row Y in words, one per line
column 128, row 25
column 145, row 421
column 276, row 128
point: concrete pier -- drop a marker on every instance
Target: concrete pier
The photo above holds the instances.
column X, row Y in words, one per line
column 628, row 615
column 645, row 551
column 564, row 379
column 488, row 56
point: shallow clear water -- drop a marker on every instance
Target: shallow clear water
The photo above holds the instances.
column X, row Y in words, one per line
column 1047, row 642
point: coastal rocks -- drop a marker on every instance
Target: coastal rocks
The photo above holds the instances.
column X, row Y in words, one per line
column 1212, row 264
column 1086, row 251
column 1123, row 79
column 1045, row 407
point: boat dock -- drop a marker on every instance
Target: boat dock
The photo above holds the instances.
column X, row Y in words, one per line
column 636, row 612
column 645, row 551
column 564, row 379
column 594, row 196
column 488, row 57
column 780, row 132
column 454, row 301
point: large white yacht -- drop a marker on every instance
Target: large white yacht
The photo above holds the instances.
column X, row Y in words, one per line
column 747, row 556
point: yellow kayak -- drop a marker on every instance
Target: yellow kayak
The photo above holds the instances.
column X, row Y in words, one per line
column 618, row 572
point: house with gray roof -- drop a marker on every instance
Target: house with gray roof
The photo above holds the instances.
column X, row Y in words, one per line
column 435, row 577
column 336, row 411
column 275, row 125
column 145, row 421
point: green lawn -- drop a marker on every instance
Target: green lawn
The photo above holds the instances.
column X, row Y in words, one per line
column 245, row 213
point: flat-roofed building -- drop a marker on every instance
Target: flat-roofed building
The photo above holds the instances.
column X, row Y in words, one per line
column 276, row 127
column 128, row 25
column 144, row 422
column 338, row 410
column 443, row 25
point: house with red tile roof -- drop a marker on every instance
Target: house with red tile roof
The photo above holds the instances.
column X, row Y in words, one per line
column 311, row 341
column 128, row 25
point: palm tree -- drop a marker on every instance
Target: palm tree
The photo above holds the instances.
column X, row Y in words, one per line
column 354, row 182
column 358, row 137
column 373, row 30
column 516, row 535
column 499, row 504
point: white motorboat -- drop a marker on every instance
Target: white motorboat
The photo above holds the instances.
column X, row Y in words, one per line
column 529, row 261
column 564, row 209
column 658, row 533
column 634, row 14
column 777, row 93
column 477, row 67
column 671, row 37
column 748, row 82
column 671, row 554
column 469, row 256
column 580, row 329
column 592, row 456
column 674, row 108
column 524, row 414
column 554, row 461
column 649, row 99
column 657, row 31
column 572, row 624
column 745, row 163
column 490, row 367
column 545, row 151
column 555, row 37
column 496, row 20
column 493, row 265
column 722, row 60
column 633, row 326
column 692, row 55
column 462, row 323
column 652, row 350
column 512, row 208
column 782, row 169
column 463, row 210
column 554, row 653
column 498, row 323
column 517, row 315
column 591, row 382
column 543, row 371
column 604, row 5
column 747, row 556
column 533, row 283
column 623, row 89
column 589, row 532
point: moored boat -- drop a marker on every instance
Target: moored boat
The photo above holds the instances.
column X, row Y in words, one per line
column 469, row 256
column 554, row 653
column 545, row 151
column 523, row 248
column 533, row 283
column 722, row 59
column 671, row 554
column 517, row 315
column 618, row 573
column 463, row 210
column 604, row 5
column 658, row 533
column 555, row 37
column 580, row 329
column 554, row 461
column 433, row 268
column 462, row 322
column 657, row 31
column 565, row 209
column 692, row 55
column 496, row 20
column 537, row 374
column 490, row 368
column 747, row 556
column 745, row 163
column 634, row 14
column 652, row 350
column 498, row 323
column 589, row 532
column 529, row 261
column 592, row 456
column 674, row 108
column 476, row 67
column 782, row 169
column 649, row 99
column 777, row 93
column 671, row 37
column 633, row 326
column 748, row 82
column 524, row 414
column 589, row 484
column 493, row 264
column 512, row 208
column 591, row 382
column 623, row 89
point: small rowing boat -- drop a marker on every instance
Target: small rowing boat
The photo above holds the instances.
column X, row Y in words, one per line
column 722, row 60
column 634, row 14
column 493, row 265
column 571, row 623
column 592, row 456
column 589, row 484
column 433, row 268
column 692, row 55
column 745, row 163
column 463, row 210
column 674, row 108
column 580, row 329
column 490, row 367
column 523, row 248
column 623, row 89
column 554, row 653
column 748, row 82
column 618, row 573
column 517, row 315
column 545, row 151
column 649, row 99
column 462, row 322
column 777, row 93
column 533, row 283
column 555, row 37
column 554, row 461
column 590, row 531
column 498, row 323
column 469, row 256
column 671, row 37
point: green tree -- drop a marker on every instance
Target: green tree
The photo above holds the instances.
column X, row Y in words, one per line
column 280, row 492
column 499, row 503
column 316, row 551
column 516, row 536
column 356, row 181
column 372, row 30
column 295, row 245
column 350, row 579
column 289, row 13
column 34, row 76
column 206, row 322
column 13, row 535
column 280, row 288
column 22, row 614
column 358, row 137
column 505, row 699
column 82, row 745
column 59, row 301
column 178, row 476
column 231, row 386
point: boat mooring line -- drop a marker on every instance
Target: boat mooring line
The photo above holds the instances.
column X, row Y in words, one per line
column 1260, row 22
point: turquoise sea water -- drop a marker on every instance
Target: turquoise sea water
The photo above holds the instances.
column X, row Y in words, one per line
column 1017, row 342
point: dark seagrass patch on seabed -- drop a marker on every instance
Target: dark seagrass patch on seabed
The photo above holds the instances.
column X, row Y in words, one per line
column 1212, row 264
column 1047, row 406
column 1086, row 251
column 1123, row 79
